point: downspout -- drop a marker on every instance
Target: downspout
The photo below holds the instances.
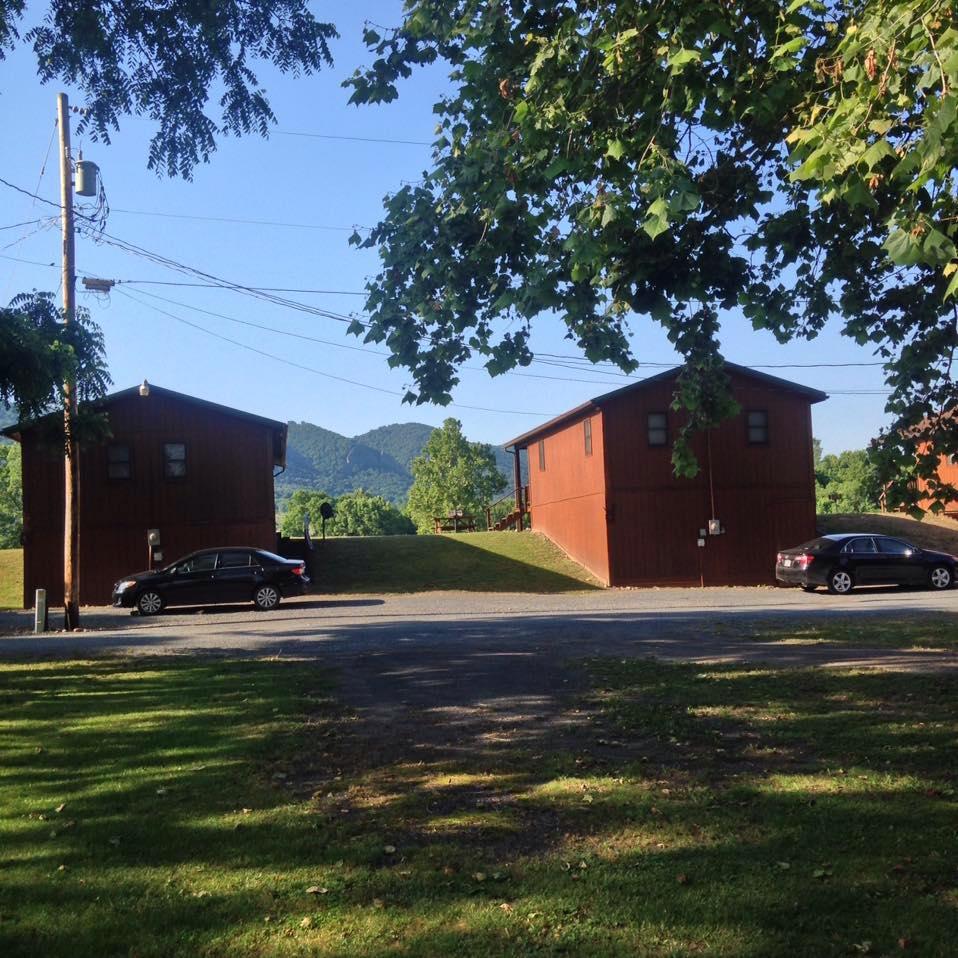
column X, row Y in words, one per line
column 708, row 456
column 517, row 479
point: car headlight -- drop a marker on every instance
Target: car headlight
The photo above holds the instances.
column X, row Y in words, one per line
column 125, row 584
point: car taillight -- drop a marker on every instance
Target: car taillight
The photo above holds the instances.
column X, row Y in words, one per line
column 299, row 570
column 804, row 561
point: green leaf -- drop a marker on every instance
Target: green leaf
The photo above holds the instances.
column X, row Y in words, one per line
column 616, row 149
column 938, row 249
column 658, row 218
column 903, row 248
column 787, row 49
column 557, row 167
column 681, row 57
column 875, row 154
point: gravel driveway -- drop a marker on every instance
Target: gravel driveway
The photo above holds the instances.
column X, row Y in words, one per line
column 675, row 624
column 430, row 672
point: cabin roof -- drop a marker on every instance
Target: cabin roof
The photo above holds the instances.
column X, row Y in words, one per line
column 17, row 430
column 595, row 404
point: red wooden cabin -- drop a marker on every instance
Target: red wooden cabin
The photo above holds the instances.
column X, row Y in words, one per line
column 199, row 473
column 601, row 484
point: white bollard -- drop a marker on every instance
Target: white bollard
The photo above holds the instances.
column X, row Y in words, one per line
column 40, row 611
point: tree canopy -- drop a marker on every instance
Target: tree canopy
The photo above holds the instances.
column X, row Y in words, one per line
column 355, row 513
column 452, row 473
column 674, row 160
column 11, row 497
column 847, row 482
column 164, row 61
column 38, row 353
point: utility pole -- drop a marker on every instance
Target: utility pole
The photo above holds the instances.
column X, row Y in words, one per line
column 71, row 503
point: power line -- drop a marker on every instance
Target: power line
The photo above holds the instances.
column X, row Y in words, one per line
column 30, row 262
column 262, row 293
column 230, row 219
column 263, row 328
column 366, row 350
column 581, row 359
column 318, row 372
column 253, row 349
column 355, row 139
column 264, row 289
column 13, row 226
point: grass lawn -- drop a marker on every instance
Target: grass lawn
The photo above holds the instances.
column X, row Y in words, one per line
column 179, row 807
column 932, row 532
column 928, row 632
column 475, row 561
column 11, row 578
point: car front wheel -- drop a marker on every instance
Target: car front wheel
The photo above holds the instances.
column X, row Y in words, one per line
column 941, row 577
column 840, row 582
column 149, row 603
column 266, row 597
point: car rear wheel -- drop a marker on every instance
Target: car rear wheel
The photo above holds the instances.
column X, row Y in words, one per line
column 941, row 577
column 840, row 582
column 266, row 597
column 149, row 603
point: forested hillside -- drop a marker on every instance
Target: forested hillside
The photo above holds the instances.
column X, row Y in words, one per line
column 378, row 461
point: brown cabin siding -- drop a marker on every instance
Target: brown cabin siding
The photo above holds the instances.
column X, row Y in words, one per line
column 764, row 494
column 226, row 498
column 947, row 473
column 567, row 499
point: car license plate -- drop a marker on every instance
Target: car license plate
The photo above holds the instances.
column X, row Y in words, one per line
column 787, row 563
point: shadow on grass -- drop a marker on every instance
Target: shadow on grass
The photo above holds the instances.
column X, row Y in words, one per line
column 669, row 810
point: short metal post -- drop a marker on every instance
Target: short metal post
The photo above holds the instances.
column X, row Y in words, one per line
column 40, row 611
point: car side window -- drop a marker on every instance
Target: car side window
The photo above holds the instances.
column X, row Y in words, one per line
column 233, row 560
column 894, row 547
column 861, row 545
column 204, row 563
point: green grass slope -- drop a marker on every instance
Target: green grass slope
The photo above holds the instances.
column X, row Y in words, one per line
column 11, row 578
column 474, row 562
column 929, row 533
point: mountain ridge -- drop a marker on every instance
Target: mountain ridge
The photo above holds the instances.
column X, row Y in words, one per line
column 379, row 460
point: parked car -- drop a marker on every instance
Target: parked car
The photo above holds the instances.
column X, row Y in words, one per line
column 214, row 575
column 842, row 562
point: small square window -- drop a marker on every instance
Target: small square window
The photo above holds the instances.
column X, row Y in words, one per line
column 119, row 464
column 587, row 431
column 174, row 460
column 542, row 455
column 658, row 428
column 757, row 420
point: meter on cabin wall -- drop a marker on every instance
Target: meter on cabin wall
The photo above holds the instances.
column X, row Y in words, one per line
column 715, row 527
column 154, row 543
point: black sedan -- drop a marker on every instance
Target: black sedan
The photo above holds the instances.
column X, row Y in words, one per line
column 214, row 575
column 842, row 562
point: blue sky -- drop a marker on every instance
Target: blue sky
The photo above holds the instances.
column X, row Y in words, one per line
column 336, row 185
